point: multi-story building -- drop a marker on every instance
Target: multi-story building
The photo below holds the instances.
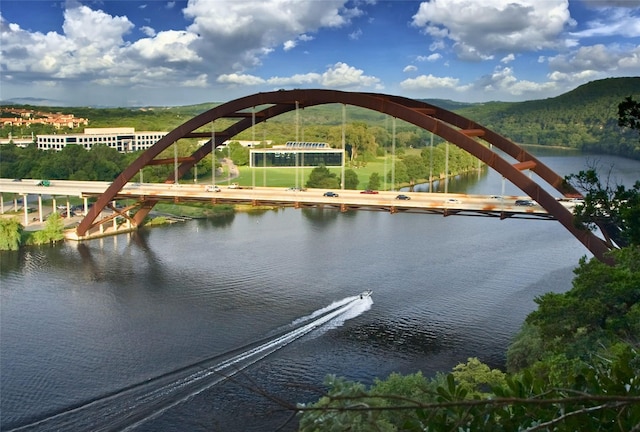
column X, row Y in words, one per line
column 123, row 139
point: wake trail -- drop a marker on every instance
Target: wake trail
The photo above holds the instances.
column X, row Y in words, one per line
column 128, row 408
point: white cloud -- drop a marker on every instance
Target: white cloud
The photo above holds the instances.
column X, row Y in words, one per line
column 291, row 44
column 226, row 35
column 508, row 58
column 477, row 30
column 295, row 80
column 167, row 46
column 503, row 82
column 429, row 82
column 97, row 29
column 342, row 75
column 199, row 81
column 239, row 34
column 430, row 58
column 355, row 35
column 597, row 59
column 240, row 79
column 148, row 31
column 613, row 21
column 410, row 68
column 87, row 49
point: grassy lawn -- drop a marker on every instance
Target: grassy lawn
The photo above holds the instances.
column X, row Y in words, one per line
column 285, row 177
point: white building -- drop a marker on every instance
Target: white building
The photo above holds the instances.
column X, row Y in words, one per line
column 123, row 139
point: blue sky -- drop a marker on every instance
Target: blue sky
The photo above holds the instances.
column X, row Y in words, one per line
column 158, row 52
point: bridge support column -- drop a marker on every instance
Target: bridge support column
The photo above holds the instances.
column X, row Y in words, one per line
column 40, row 208
column 26, row 209
column 1, row 204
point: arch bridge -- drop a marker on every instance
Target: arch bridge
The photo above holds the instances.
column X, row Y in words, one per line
column 248, row 111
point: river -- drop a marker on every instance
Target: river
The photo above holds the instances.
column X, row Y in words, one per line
column 219, row 325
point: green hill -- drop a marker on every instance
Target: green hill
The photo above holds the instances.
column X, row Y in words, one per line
column 585, row 118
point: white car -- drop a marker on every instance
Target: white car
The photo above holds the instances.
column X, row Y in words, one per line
column 212, row 188
column 453, row 201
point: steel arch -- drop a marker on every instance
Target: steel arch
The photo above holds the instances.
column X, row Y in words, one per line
column 452, row 127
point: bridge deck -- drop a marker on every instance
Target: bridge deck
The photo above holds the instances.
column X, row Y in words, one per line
column 419, row 202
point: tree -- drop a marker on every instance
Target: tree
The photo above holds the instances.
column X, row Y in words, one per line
column 52, row 232
column 374, row 181
column 416, row 168
column 477, row 378
column 603, row 303
column 602, row 396
column 629, row 114
column 321, row 177
column 614, row 209
column 10, row 234
column 350, row 179
column 401, row 175
column 239, row 153
column 359, row 136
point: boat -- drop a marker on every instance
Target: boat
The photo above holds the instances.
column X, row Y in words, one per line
column 366, row 293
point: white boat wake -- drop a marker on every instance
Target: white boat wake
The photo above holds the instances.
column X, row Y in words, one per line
column 129, row 408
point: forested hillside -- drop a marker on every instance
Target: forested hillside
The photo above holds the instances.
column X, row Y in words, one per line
column 585, row 118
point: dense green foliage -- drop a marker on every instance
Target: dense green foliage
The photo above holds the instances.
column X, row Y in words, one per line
column 52, row 232
column 601, row 396
column 13, row 235
column 10, row 234
column 100, row 163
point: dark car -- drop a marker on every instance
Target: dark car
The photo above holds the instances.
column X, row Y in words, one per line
column 331, row 194
column 403, row 197
column 525, row 203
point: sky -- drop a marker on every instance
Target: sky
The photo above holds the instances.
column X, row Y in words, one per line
column 123, row 53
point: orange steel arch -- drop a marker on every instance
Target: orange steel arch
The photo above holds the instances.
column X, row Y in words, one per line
column 460, row 131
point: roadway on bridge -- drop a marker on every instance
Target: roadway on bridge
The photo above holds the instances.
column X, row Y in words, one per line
column 346, row 199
